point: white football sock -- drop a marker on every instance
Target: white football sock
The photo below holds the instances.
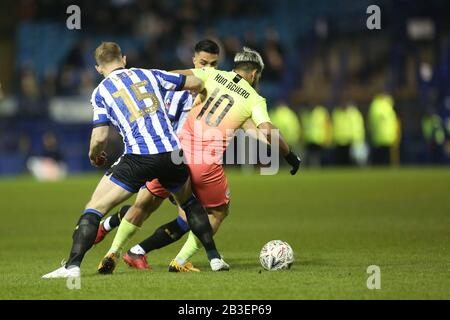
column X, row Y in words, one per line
column 106, row 224
column 137, row 249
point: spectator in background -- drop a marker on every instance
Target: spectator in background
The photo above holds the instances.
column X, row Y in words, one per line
column 87, row 83
column 73, row 77
column 433, row 131
column 150, row 23
column 67, row 84
column 51, row 147
column 348, row 132
column 31, row 102
column 50, row 165
column 184, row 47
column 232, row 44
column 273, row 56
column 10, row 136
column 383, row 128
column 315, row 122
column 446, row 123
column 75, row 57
column 152, row 54
column 251, row 40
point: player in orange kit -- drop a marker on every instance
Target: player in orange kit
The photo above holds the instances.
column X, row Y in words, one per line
column 229, row 100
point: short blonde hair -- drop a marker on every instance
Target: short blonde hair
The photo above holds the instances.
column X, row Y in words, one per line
column 248, row 57
column 107, row 52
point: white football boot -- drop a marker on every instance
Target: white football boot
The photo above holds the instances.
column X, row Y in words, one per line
column 62, row 272
column 219, row 265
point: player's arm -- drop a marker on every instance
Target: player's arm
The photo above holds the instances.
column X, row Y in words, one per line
column 193, row 84
column 185, row 72
column 194, row 81
column 252, row 131
column 262, row 121
column 202, row 74
column 178, row 80
column 100, row 132
column 272, row 133
column 99, row 140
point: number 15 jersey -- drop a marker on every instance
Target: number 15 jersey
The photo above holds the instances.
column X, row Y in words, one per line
column 132, row 101
column 226, row 104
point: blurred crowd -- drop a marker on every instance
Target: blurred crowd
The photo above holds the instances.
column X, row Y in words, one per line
column 344, row 136
column 347, row 98
column 158, row 41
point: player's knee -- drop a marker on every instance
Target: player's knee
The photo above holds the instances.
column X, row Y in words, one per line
column 96, row 206
column 184, row 193
column 102, row 208
column 223, row 214
column 136, row 215
column 195, row 213
column 143, row 209
column 102, row 205
column 137, row 211
column 147, row 203
column 219, row 213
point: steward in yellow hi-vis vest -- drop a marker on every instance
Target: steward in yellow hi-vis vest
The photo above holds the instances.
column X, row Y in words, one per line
column 316, row 128
column 383, row 128
column 433, row 130
column 285, row 119
column 348, row 132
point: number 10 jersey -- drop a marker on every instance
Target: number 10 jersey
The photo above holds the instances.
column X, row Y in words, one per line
column 227, row 102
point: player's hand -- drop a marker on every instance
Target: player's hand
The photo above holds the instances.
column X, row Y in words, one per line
column 98, row 160
column 294, row 161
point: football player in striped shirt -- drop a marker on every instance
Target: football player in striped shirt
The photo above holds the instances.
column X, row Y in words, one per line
column 241, row 103
column 131, row 100
column 178, row 104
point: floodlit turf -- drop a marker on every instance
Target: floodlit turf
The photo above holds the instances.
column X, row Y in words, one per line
column 337, row 221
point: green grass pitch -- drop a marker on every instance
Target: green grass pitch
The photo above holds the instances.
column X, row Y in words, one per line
column 337, row 221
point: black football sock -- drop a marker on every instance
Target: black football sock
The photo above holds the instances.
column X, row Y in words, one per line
column 199, row 223
column 115, row 219
column 84, row 236
column 165, row 235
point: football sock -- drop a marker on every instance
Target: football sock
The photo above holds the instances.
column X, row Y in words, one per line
column 138, row 250
column 106, row 224
column 165, row 235
column 84, row 236
column 190, row 247
column 114, row 220
column 124, row 233
column 199, row 223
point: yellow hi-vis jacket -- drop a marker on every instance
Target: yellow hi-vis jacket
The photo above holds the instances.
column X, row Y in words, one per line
column 383, row 121
column 433, row 129
column 316, row 126
column 285, row 119
column 348, row 126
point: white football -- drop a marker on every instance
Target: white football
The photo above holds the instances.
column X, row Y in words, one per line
column 276, row 255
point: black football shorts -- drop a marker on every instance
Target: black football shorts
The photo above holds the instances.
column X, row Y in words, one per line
column 132, row 171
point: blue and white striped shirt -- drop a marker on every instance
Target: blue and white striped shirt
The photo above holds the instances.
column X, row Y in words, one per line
column 178, row 104
column 133, row 101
